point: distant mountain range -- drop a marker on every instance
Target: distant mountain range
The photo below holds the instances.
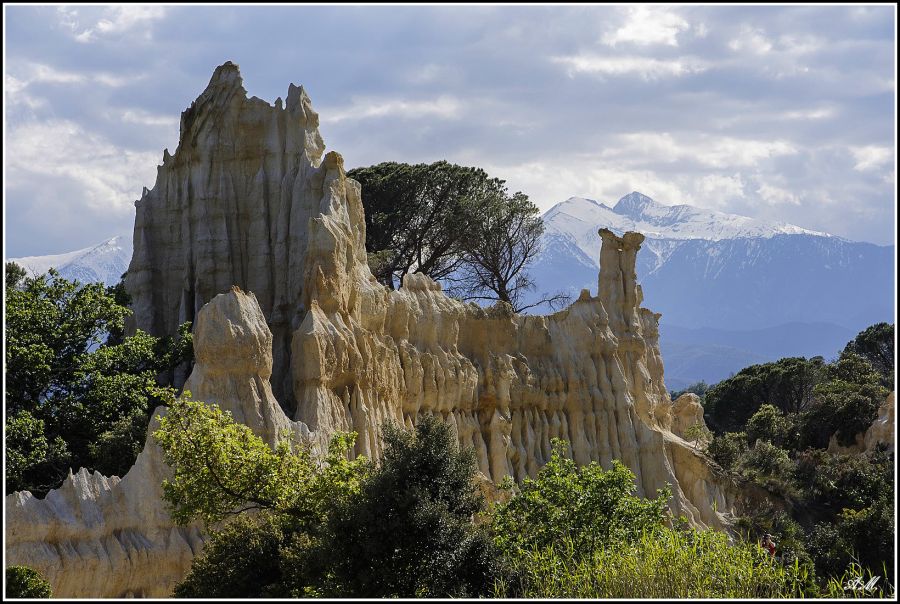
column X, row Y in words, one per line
column 732, row 290
column 102, row 262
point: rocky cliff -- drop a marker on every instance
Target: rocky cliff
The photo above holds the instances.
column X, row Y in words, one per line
column 248, row 200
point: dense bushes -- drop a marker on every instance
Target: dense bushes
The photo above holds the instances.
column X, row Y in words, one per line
column 78, row 392
column 664, row 563
column 842, row 504
column 24, row 582
column 330, row 528
column 415, row 525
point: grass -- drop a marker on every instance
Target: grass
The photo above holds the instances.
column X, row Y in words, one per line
column 666, row 563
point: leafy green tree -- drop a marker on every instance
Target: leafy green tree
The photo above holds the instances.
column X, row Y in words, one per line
column 329, row 527
column 769, row 423
column 455, row 224
column 728, row 449
column 844, row 405
column 71, row 397
column 410, row 532
column 417, row 216
column 876, row 345
column 29, row 454
column 242, row 559
column 787, row 384
column 505, row 239
column 25, row 582
column 588, row 506
column 765, row 460
column 14, row 275
column 221, row 468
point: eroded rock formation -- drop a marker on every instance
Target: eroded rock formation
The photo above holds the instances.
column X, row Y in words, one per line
column 248, row 200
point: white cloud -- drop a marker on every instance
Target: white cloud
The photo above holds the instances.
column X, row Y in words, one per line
column 114, row 20
column 773, row 195
column 716, row 190
column 708, row 150
column 547, row 182
column 644, row 67
column 647, row 25
column 445, row 107
column 752, row 40
column 870, row 157
column 819, row 113
column 40, row 73
column 83, row 165
column 137, row 116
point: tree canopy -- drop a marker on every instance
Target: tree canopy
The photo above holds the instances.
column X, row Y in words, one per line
column 78, row 393
column 327, row 526
column 455, row 224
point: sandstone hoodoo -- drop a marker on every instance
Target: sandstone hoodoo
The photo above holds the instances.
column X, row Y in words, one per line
column 256, row 236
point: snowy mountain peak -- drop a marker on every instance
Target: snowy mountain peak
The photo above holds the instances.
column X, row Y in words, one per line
column 638, row 212
column 634, row 205
column 104, row 262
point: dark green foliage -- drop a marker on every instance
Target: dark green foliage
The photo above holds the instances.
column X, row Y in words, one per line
column 453, row 223
column 14, row 275
column 728, row 449
column 24, row 582
column 241, row 560
column 418, row 215
column 409, row 532
column 844, row 481
column 769, row 423
column 765, row 460
column 844, row 503
column 845, row 405
column 787, row 384
column 339, row 528
column 865, row 536
column 876, row 345
column 30, row 456
column 72, row 401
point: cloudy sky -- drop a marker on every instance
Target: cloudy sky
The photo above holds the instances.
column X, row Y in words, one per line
column 780, row 113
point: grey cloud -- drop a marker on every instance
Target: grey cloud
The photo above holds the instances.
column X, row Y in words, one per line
column 480, row 85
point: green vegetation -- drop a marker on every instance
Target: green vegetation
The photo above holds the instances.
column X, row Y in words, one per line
column 24, row 582
column 78, row 392
column 587, row 507
column 415, row 525
column 335, row 528
column 774, row 424
column 455, row 224
column 876, row 345
column 664, row 563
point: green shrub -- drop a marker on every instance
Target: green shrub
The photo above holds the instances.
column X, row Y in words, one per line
column 24, row 582
column 587, row 506
column 663, row 563
column 727, row 450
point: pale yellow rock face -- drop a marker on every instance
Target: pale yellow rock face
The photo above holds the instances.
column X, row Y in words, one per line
column 686, row 412
column 248, row 200
column 882, row 429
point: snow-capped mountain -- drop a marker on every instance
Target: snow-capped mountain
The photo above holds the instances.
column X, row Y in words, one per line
column 721, row 273
column 102, row 262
